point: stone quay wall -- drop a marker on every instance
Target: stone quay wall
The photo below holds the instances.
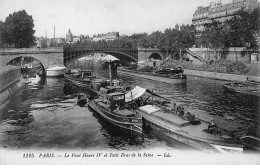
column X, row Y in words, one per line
column 234, row 54
column 10, row 81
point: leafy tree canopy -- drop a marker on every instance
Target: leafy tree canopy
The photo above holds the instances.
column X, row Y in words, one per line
column 1, row 30
column 18, row 30
column 239, row 31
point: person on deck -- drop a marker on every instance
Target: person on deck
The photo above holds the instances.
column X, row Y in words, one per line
column 117, row 108
column 212, row 128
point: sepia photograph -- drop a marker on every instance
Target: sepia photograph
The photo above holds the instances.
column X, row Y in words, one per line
column 129, row 82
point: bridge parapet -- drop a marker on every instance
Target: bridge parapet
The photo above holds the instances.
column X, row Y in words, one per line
column 99, row 49
column 30, row 50
column 149, row 49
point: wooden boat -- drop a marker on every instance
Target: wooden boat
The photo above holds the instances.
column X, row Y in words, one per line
column 82, row 99
column 172, row 78
column 252, row 88
column 111, row 106
column 182, row 126
column 83, row 79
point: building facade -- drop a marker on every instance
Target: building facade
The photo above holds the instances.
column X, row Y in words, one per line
column 76, row 39
column 220, row 12
column 107, row 37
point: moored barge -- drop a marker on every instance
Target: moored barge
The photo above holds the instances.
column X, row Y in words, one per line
column 184, row 127
column 83, row 78
column 179, row 78
column 251, row 88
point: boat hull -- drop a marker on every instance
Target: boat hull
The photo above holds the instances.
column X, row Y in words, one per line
column 228, row 87
column 132, row 127
column 170, row 80
column 175, row 133
column 78, row 82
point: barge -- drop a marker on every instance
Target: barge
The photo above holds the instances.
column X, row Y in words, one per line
column 166, row 78
column 251, row 88
column 83, row 78
column 110, row 105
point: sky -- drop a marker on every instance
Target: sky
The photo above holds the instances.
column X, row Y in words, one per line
column 88, row 17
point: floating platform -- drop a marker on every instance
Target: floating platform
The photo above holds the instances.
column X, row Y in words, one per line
column 56, row 71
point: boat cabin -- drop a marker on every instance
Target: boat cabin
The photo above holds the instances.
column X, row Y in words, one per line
column 170, row 71
column 117, row 100
column 85, row 73
column 112, row 89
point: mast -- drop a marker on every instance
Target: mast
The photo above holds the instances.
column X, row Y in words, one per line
column 152, row 98
column 110, row 73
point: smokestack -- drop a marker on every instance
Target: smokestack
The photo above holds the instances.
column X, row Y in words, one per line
column 54, row 35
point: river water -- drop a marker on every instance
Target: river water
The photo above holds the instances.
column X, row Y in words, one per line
column 43, row 115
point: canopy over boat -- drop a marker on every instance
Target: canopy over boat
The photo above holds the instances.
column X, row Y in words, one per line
column 56, row 68
column 138, row 92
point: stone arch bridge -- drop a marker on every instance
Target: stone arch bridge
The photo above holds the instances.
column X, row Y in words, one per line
column 51, row 57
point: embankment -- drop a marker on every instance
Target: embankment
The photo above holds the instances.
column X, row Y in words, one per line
column 10, row 82
column 221, row 76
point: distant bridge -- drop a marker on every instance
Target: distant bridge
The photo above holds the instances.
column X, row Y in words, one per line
column 136, row 55
column 50, row 57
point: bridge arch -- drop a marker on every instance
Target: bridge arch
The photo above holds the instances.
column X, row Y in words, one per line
column 156, row 55
column 48, row 57
column 116, row 54
column 12, row 58
column 145, row 54
column 43, row 68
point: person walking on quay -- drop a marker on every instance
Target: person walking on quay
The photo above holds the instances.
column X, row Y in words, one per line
column 154, row 66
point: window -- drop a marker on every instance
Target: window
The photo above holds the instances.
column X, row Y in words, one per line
column 238, row 4
column 244, row 3
column 227, row 7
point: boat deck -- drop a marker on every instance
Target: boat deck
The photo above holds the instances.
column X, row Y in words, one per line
column 175, row 123
column 170, row 118
column 155, row 77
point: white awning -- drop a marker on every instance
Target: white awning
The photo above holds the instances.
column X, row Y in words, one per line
column 109, row 58
column 134, row 94
column 149, row 109
column 138, row 92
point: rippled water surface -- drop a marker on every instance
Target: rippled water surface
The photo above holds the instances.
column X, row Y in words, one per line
column 43, row 115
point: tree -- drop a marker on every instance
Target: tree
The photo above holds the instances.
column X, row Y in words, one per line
column 243, row 28
column 18, row 30
column 1, row 31
column 43, row 43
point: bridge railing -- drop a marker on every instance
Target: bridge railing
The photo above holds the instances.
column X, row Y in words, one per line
column 50, row 49
column 101, row 49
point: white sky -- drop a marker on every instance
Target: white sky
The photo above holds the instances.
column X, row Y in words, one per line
column 90, row 17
